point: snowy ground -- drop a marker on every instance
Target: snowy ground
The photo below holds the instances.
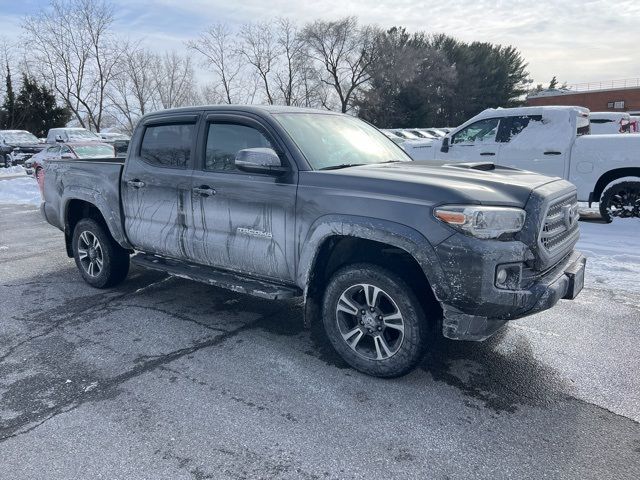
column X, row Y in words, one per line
column 19, row 189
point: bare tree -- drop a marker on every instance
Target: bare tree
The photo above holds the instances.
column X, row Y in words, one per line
column 259, row 48
column 134, row 90
column 75, row 52
column 176, row 81
column 344, row 51
column 218, row 47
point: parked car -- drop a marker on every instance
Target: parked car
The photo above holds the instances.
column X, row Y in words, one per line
column 554, row 141
column 68, row 134
column 283, row 202
column 68, row 151
column 421, row 133
column 119, row 141
column 17, row 146
column 603, row 123
column 417, row 148
column 435, row 132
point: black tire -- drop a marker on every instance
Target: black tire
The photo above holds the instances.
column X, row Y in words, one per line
column 621, row 200
column 399, row 355
column 114, row 260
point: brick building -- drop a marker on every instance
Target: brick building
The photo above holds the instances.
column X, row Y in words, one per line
column 611, row 96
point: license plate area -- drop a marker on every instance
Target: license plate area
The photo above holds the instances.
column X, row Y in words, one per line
column 576, row 279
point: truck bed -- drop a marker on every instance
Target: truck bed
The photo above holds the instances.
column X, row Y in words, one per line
column 96, row 181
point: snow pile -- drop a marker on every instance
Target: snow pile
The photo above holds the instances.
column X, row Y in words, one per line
column 15, row 170
column 613, row 254
column 22, row 190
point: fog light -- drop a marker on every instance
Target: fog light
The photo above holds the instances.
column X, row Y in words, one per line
column 501, row 277
column 508, row 276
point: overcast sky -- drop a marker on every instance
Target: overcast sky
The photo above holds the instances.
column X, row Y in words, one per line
column 576, row 40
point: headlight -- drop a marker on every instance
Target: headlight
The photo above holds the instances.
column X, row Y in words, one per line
column 482, row 222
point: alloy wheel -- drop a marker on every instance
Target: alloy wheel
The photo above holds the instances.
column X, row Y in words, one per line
column 370, row 321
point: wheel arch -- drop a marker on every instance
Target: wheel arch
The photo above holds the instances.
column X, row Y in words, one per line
column 90, row 205
column 608, row 177
column 337, row 241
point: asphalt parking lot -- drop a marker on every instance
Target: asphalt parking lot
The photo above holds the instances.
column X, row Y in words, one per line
column 163, row 378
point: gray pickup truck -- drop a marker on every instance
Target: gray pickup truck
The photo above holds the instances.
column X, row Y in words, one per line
column 282, row 202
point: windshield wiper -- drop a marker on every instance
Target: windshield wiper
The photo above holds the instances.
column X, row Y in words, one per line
column 342, row 165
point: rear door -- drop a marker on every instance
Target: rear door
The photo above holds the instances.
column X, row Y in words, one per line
column 527, row 144
column 156, row 185
column 242, row 222
column 474, row 143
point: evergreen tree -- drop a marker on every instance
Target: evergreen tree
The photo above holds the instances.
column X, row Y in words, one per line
column 36, row 109
column 553, row 84
column 419, row 80
column 8, row 107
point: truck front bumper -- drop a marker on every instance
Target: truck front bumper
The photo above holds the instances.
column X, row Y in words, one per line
column 477, row 308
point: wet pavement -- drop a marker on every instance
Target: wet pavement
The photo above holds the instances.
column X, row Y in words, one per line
column 165, row 378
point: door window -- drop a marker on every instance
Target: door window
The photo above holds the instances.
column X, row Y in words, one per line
column 483, row 131
column 512, row 126
column 225, row 140
column 168, row 145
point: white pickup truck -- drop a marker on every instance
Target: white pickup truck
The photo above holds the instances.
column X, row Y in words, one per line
column 554, row 141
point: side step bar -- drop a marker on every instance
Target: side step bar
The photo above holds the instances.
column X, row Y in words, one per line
column 218, row 278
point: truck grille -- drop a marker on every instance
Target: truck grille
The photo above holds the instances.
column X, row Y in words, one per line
column 560, row 225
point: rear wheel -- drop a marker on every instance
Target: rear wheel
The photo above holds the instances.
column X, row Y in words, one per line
column 621, row 200
column 374, row 321
column 101, row 261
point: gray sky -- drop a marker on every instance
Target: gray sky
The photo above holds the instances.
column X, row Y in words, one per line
column 576, row 40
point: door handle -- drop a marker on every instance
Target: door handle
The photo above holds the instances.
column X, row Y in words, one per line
column 136, row 183
column 552, row 153
column 204, row 191
column 485, row 154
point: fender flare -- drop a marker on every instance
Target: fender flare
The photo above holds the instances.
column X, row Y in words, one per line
column 111, row 217
column 383, row 231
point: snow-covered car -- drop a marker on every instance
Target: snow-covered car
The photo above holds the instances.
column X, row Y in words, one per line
column 69, row 151
column 435, row 132
column 417, row 148
column 17, row 146
column 603, row 123
column 555, row 141
column 68, row 134
column 421, row 133
column 119, row 141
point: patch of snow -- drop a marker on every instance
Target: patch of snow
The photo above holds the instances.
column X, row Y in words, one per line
column 20, row 190
column 621, row 180
column 613, row 254
column 553, row 132
column 15, row 170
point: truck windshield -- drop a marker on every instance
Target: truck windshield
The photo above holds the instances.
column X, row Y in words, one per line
column 328, row 140
column 82, row 134
column 19, row 137
column 94, row 151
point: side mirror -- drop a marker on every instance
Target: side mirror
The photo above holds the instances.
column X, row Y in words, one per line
column 59, row 138
column 445, row 145
column 259, row 160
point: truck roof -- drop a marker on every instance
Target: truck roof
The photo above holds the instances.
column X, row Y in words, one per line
column 256, row 109
column 492, row 112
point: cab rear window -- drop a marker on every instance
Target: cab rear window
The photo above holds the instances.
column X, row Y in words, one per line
column 168, row 145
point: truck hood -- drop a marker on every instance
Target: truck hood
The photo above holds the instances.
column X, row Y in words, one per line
column 473, row 183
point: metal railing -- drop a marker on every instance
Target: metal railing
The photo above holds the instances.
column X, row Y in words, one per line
column 605, row 85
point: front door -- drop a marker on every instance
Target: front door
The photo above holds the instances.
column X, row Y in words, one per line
column 242, row 222
column 474, row 143
column 156, row 187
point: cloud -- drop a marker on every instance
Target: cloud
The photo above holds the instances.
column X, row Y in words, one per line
column 576, row 40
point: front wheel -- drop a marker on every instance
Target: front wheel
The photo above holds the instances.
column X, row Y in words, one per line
column 621, row 200
column 101, row 261
column 374, row 320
